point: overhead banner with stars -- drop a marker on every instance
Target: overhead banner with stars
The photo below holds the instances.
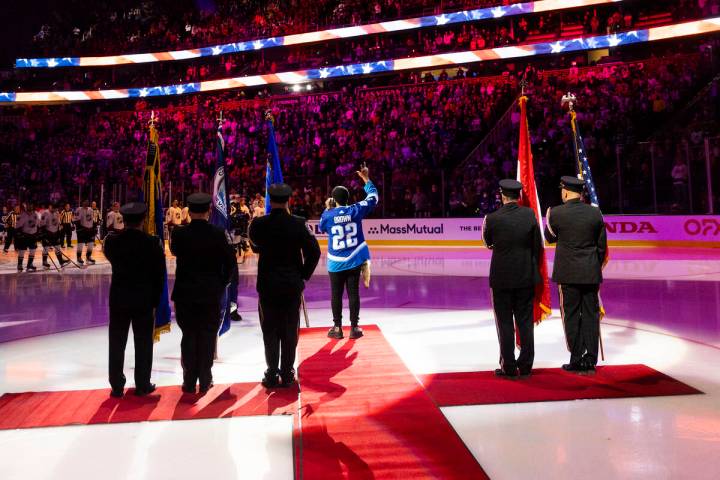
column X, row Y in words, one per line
column 706, row 26
column 312, row 37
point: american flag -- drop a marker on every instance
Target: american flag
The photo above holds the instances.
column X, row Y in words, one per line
column 583, row 166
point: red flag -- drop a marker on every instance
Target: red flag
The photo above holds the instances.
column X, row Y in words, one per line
column 529, row 198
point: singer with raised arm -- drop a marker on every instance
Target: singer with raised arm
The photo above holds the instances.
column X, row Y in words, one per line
column 348, row 255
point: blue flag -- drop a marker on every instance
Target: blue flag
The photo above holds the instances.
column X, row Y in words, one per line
column 155, row 222
column 274, row 168
column 220, row 218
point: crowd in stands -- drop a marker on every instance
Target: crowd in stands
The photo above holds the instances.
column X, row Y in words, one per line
column 407, row 134
column 619, row 104
column 611, row 18
column 408, row 131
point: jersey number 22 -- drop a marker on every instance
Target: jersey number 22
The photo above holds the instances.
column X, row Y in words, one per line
column 343, row 238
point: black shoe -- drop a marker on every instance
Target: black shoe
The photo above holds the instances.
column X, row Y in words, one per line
column 588, row 366
column 522, row 373
column 511, row 375
column 287, row 379
column 20, row 268
column 574, row 368
column 270, row 380
column 90, row 260
column 235, row 316
column 46, row 266
column 336, row 333
column 205, row 388
column 356, row 332
column 141, row 392
column 117, row 392
column 188, row 388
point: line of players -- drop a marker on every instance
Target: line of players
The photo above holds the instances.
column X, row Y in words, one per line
column 24, row 227
column 52, row 228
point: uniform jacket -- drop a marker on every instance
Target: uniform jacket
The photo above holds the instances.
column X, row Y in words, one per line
column 513, row 234
column 288, row 253
column 579, row 231
column 205, row 263
column 138, row 269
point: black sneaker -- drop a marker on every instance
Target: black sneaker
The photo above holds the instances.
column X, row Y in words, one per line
column 578, row 368
column 141, row 392
column 335, row 332
column 356, row 332
column 511, row 375
column 287, row 379
column 270, row 380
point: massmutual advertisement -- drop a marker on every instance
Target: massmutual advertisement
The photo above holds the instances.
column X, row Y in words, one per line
column 699, row 230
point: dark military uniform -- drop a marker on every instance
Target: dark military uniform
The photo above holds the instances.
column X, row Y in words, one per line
column 289, row 254
column 205, row 265
column 513, row 234
column 579, row 231
column 138, row 277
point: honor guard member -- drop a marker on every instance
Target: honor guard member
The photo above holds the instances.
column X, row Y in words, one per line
column 513, row 235
column 114, row 222
column 173, row 217
column 85, row 229
column 26, row 232
column 66, row 225
column 138, row 277
column 288, row 254
column 50, row 235
column 97, row 218
column 10, row 227
column 348, row 253
column 205, row 266
column 579, row 231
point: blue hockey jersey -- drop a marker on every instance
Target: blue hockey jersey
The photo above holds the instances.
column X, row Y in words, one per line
column 346, row 242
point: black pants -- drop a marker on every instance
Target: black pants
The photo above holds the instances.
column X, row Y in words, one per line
column 143, row 325
column 9, row 238
column 199, row 324
column 280, row 323
column 66, row 236
column 581, row 320
column 514, row 310
column 338, row 282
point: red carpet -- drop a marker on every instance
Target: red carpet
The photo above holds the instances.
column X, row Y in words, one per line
column 365, row 416
column 552, row 384
column 86, row 407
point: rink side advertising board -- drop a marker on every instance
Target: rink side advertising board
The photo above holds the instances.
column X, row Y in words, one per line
column 622, row 230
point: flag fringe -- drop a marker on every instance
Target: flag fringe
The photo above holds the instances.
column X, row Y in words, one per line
column 159, row 331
